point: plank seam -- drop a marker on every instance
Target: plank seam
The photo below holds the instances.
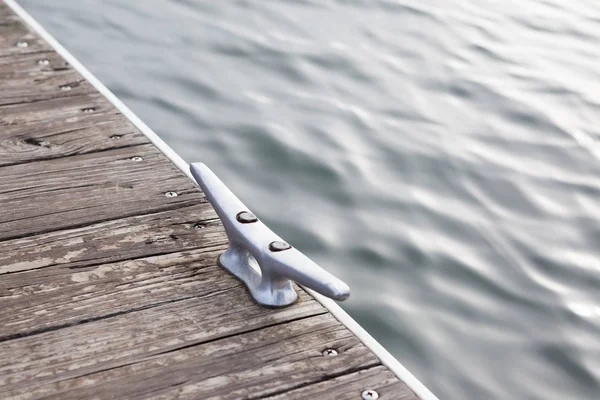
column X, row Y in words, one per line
column 322, row 379
column 57, row 156
column 316, row 314
column 205, row 249
column 203, row 342
column 83, row 321
column 96, row 318
column 174, row 207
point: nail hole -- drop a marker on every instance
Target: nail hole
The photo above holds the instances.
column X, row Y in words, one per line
column 171, row 194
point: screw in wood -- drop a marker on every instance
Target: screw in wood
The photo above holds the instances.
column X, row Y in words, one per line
column 370, row 394
column 330, row 352
column 138, row 158
column 43, row 62
column 22, row 44
column 171, row 194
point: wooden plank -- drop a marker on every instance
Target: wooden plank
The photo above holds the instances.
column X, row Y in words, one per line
column 122, row 239
column 68, row 192
column 351, row 386
column 13, row 31
column 179, row 360
column 62, row 127
column 42, row 300
column 28, row 64
column 43, row 86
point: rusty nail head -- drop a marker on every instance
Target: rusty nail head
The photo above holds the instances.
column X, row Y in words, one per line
column 246, row 217
column 171, row 194
column 370, row 394
column 279, row 246
column 330, row 352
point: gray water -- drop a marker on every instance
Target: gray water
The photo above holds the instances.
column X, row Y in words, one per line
column 442, row 157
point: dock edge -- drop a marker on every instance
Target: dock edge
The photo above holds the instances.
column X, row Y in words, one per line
column 384, row 356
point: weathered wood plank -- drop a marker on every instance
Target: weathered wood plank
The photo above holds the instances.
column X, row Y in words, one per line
column 350, row 387
column 62, row 127
column 134, row 310
column 43, row 86
column 122, row 239
column 186, row 363
column 12, row 31
column 68, row 192
column 31, row 64
column 42, row 300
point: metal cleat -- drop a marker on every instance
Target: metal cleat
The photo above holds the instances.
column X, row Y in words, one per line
column 257, row 256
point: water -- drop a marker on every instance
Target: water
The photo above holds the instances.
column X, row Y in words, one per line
column 442, row 157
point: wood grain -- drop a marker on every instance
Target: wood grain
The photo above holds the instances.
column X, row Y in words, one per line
column 42, row 86
column 122, row 239
column 73, row 191
column 62, row 127
column 13, row 31
column 181, row 360
column 350, row 387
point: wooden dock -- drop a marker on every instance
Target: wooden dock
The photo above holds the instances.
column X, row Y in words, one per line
column 109, row 283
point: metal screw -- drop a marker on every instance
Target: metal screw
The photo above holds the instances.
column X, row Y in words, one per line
column 330, row 352
column 65, row 87
column 138, row 158
column 370, row 395
column 246, row 217
column 115, row 137
column 171, row 194
column 43, row 62
column 279, row 246
column 22, row 44
column 199, row 226
column 88, row 110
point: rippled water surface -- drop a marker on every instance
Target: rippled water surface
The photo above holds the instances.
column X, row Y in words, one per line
column 440, row 156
